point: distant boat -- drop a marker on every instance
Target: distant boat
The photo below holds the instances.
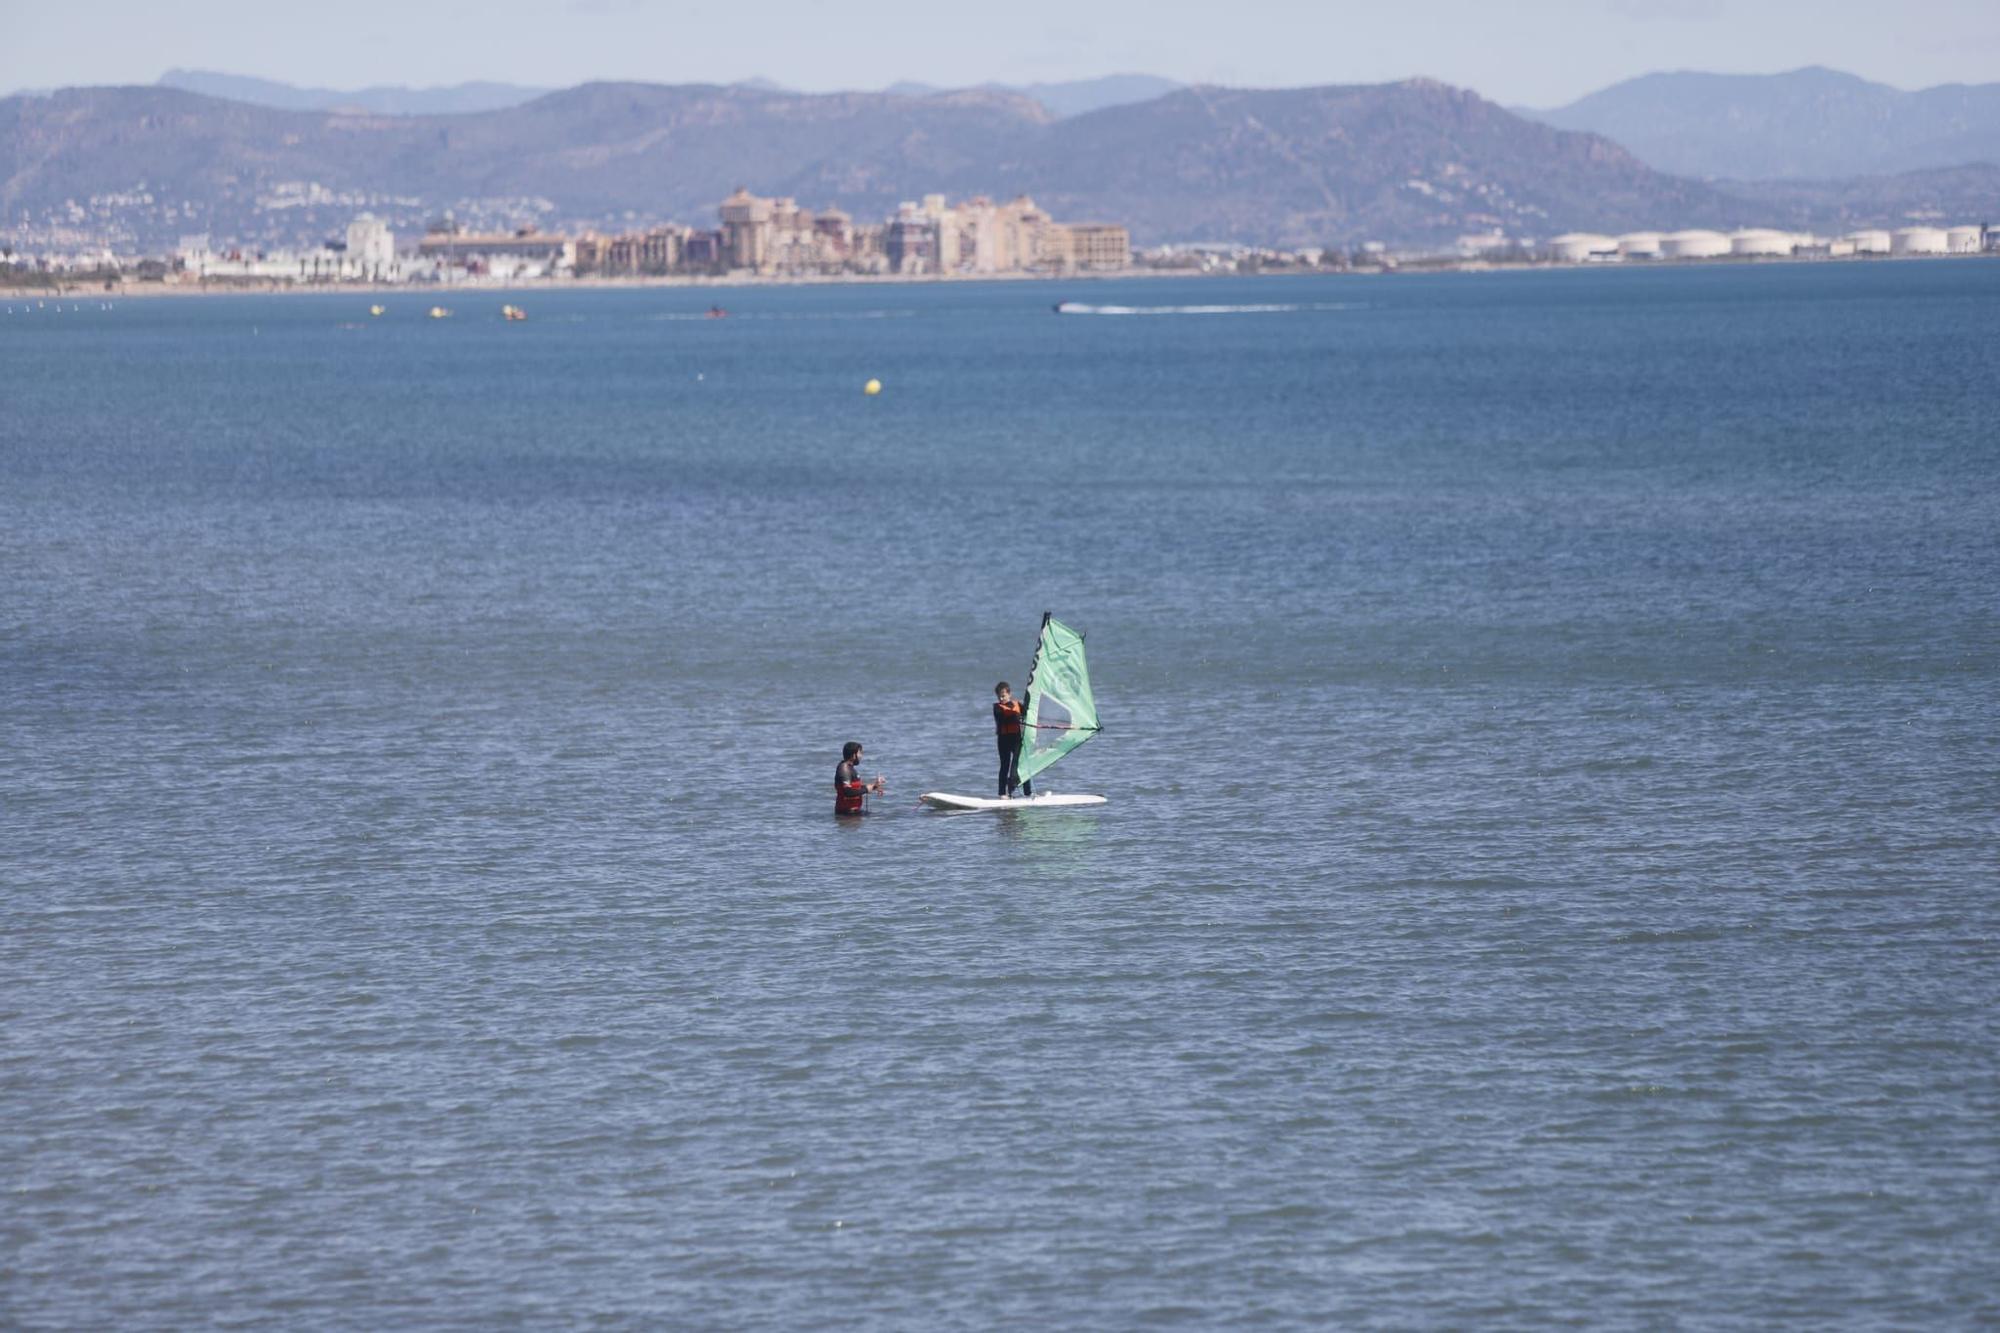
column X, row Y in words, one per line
column 439, row 312
column 717, row 312
column 377, row 310
column 512, row 312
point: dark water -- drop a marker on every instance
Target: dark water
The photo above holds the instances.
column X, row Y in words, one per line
column 1549, row 875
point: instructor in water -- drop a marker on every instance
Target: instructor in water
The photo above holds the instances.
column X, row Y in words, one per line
column 1007, row 731
column 849, row 791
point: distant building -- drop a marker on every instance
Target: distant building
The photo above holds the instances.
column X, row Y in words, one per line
column 911, row 242
column 545, row 251
column 835, row 232
column 1021, row 235
column 371, row 249
column 1097, row 246
column 1476, row 244
column 703, row 252
column 746, row 230
column 654, row 252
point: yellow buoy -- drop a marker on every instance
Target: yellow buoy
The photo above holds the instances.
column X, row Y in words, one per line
column 872, row 387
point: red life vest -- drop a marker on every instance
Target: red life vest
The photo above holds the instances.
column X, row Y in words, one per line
column 848, row 789
column 1007, row 717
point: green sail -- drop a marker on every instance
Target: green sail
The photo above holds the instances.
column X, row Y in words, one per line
column 1061, row 712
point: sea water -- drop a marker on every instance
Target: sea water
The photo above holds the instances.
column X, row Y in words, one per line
column 1549, row 874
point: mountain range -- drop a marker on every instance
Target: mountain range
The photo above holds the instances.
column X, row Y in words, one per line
column 383, row 99
column 1415, row 163
column 1070, row 98
column 1809, row 124
column 1409, row 162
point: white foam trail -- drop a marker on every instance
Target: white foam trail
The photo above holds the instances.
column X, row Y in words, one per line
column 1079, row 308
column 677, row 316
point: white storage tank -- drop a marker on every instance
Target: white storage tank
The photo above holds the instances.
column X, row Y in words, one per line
column 1576, row 246
column 1694, row 244
column 1640, row 245
column 1918, row 241
column 1870, row 242
column 1962, row 240
column 1760, row 241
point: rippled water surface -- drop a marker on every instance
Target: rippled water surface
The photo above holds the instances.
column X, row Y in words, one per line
column 1549, row 873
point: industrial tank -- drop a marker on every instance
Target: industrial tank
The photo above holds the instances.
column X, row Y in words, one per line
column 1918, row 241
column 1694, row 244
column 1760, row 241
column 1576, row 246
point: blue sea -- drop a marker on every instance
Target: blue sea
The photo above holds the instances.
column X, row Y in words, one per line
column 1551, row 872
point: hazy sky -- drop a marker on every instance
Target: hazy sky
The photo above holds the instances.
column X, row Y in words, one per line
column 1542, row 54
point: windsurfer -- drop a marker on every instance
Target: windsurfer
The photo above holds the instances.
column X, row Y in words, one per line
column 1007, row 731
column 849, row 791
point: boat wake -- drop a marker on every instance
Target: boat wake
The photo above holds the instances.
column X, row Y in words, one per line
column 1080, row 308
column 677, row 316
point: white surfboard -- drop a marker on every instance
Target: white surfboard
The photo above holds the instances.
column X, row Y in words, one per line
column 944, row 800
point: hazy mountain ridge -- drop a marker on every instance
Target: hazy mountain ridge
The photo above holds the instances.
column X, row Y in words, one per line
column 1064, row 98
column 599, row 151
column 1411, row 161
column 383, row 99
column 1963, row 194
column 1415, row 163
column 1808, row 124
column 1072, row 97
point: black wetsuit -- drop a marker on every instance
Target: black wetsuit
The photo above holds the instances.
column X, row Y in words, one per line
column 1007, row 731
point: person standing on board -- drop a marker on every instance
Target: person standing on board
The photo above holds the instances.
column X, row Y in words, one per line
column 849, row 791
column 1007, row 718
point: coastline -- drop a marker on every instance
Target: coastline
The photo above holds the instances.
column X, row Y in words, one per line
column 441, row 291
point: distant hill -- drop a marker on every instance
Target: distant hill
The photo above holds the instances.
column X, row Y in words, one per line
column 1063, row 99
column 457, row 99
column 1809, row 124
column 1969, row 193
column 1410, row 162
column 1068, row 99
column 604, row 153
column 1414, row 163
